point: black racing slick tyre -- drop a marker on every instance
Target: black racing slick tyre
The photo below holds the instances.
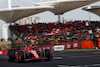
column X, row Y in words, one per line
column 11, row 55
column 20, row 56
column 48, row 54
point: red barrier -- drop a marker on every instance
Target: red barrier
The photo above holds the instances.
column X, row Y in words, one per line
column 48, row 47
column 99, row 43
column 60, row 44
column 40, row 48
column 44, row 47
column 87, row 44
column 76, row 44
column 3, row 52
column 64, row 45
column 68, row 45
column 52, row 47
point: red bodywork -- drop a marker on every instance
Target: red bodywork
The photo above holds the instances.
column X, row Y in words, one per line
column 32, row 51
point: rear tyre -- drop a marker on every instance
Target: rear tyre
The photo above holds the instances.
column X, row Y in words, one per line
column 48, row 54
column 20, row 56
column 11, row 55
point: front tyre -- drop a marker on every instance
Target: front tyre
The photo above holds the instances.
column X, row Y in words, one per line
column 11, row 55
column 48, row 54
column 20, row 56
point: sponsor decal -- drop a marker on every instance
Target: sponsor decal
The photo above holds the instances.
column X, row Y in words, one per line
column 68, row 45
column 59, row 48
column 75, row 45
column 35, row 54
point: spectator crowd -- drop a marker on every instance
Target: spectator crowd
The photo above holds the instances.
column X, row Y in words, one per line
column 56, row 33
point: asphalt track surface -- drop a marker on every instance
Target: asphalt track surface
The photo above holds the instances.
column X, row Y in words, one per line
column 69, row 58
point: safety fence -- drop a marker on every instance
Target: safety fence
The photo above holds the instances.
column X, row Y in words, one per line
column 68, row 45
column 87, row 44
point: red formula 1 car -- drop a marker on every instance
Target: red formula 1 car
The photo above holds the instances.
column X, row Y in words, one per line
column 27, row 54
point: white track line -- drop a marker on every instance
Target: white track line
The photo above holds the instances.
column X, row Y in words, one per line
column 57, row 57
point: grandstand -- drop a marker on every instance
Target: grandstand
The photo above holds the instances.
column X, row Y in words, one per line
column 40, row 34
column 56, row 33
